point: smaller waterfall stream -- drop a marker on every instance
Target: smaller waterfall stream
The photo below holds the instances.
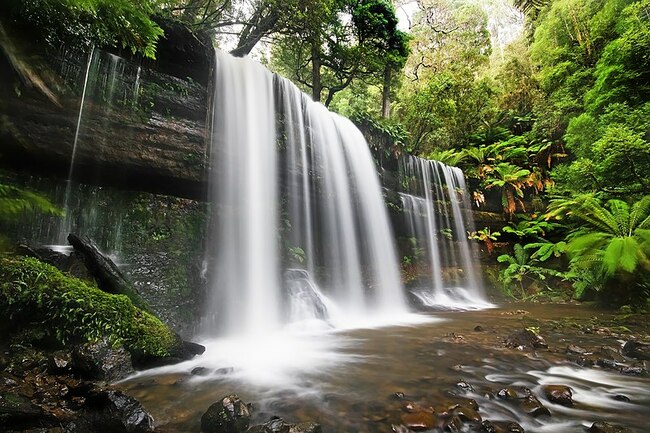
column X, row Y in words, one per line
column 438, row 217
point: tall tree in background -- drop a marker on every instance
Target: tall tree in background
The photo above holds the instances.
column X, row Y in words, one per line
column 444, row 99
column 329, row 44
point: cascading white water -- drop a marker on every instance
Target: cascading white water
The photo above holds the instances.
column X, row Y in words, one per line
column 292, row 182
column 437, row 214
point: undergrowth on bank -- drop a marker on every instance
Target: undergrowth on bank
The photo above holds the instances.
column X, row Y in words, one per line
column 38, row 296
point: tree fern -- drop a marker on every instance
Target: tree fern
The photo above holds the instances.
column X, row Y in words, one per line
column 613, row 241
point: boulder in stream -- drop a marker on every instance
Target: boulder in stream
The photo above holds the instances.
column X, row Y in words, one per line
column 605, row 427
column 525, row 339
column 228, row 415
column 559, row 394
column 524, row 399
column 636, row 350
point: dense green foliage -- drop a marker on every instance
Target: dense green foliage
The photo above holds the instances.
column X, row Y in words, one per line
column 562, row 112
column 15, row 201
column 113, row 23
column 39, row 296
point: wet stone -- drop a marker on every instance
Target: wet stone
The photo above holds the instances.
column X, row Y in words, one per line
column 585, row 362
column 200, row 371
column 525, row 339
column 60, row 361
column 419, row 420
column 621, row 397
column 559, row 394
column 533, row 407
column 488, row 426
column 608, row 364
column 576, row 350
column 17, row 411
column 512, row 393
column 278, row 425
column 478, row 328
column 633, row 371
column 466, row 414
column 228, row 415
column 116, row 411
column 397, row 396
column 636, row 350
column 101, row 361
column 464, row 386
column 451, row 422
column 605, row 427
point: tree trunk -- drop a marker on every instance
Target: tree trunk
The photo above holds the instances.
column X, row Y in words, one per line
column 385, row 94
column 109, row 278
column 317, row 86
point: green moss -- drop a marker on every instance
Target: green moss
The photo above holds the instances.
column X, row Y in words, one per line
column 71, row 310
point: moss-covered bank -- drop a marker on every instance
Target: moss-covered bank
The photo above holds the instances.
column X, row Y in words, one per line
column 56, row 308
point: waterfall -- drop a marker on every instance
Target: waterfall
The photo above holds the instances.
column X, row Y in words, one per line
column 297, row 210
column 438, row 218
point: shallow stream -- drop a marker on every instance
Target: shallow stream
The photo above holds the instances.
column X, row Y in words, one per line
column 347, row 379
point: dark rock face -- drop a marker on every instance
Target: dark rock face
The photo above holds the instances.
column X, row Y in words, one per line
column 113, row 411
column 17, row 412
column 34, row 399
column 157, row 145
column 228, row 415
column 101, row 361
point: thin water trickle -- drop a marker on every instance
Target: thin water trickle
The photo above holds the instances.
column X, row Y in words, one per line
column 109, row 83
column 66, row 224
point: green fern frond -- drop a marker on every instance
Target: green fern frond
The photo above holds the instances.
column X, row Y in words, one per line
column 640, row 214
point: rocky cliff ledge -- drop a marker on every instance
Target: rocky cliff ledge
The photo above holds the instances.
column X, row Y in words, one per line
column 143, row 125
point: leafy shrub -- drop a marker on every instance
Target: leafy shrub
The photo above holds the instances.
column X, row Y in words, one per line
column 116, row 23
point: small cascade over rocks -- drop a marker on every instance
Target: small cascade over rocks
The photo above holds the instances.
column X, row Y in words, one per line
column 292, row 183
column 438, row 218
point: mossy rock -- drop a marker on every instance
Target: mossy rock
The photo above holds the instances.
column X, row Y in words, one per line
column 69, row 310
